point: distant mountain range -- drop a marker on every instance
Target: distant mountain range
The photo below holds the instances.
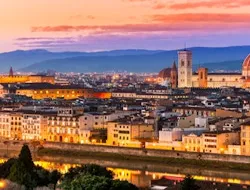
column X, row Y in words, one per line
column 227, row 58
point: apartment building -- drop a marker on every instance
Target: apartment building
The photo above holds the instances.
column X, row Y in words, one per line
column 192, row 143
column 5, row 125
column 34, row 126
column 245, row 139
column 218, row 141
column 64, row 126
column 128, row 133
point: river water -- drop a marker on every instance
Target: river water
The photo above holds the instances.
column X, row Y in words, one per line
column 141, row 173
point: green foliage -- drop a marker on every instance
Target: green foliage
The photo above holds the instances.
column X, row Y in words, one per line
column 88, row 182
column 54, row 177
column 21, row 175
column 122, row 185
column 23, row 171
column 91, row 169
column 93, row 177
column 5, row 167
column 189, row 183
column 25, row 157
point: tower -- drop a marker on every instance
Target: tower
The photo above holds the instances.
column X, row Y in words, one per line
column 185, row 69
column 202, row 77
column 174, row 76
column 11, row 73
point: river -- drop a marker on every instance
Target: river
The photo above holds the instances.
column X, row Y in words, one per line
column 141, row 173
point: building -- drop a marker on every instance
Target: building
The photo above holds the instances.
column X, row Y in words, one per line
column 245, row 139
column 185, row 69
column 131, row 134
column 202, row 78
column 5, row 127
column 42, row 91
column 65, row 126
column 34, row 126
column 16, row 121
column 192, row 143
column 218, row 142
column 11, row 78
column 168, row 76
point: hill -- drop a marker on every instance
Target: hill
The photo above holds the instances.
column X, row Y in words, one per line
column 227, row 58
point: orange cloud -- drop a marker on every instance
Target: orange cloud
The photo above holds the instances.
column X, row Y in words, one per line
column 211, row 4
column 203, row 17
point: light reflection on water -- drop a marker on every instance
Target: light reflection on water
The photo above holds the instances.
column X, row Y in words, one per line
column 137, row 177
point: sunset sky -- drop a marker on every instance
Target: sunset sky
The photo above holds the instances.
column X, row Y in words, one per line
column 94, row 25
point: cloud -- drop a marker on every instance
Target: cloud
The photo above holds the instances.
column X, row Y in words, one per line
column 204, row 17
column 163, row 23
column 210, row 4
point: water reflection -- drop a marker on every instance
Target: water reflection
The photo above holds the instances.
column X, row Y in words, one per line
column 142, row 178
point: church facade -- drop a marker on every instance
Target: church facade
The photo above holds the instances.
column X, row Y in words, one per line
column 186, row 78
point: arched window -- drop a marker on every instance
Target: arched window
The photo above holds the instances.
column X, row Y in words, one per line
column 210, row 79
column 182, row 63
column 223, row 80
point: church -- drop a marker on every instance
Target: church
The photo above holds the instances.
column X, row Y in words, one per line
column 184, row 77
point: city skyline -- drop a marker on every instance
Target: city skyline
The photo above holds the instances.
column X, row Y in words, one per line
column 123, row 24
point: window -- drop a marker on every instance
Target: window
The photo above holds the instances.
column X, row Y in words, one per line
column 223, row 80
column 182, row 63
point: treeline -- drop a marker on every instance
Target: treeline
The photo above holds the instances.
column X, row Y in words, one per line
column 24, row 172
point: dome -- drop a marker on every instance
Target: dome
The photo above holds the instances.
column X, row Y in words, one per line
column 246, row 63
column 165, row 73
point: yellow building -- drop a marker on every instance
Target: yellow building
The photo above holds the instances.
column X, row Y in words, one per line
column 192, row 143
column 33, row 126
column 16, row 125
column 218, row 142
column 4, row 125
column 64, row 126
column 11, row 78
column 42, row 91
column 129, row 134
column 245, row 139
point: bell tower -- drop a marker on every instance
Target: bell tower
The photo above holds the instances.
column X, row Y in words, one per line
column 185, row 71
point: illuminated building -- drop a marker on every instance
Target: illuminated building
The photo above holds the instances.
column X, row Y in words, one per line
column 64, row 126
column 245, row 139
column 42, row 91
column 128, row 133
column 34, row 126
column 202, row 78
column 218, row 141
column 11, row 78
column 16, row 125
column 192, row 143
column 5, row 125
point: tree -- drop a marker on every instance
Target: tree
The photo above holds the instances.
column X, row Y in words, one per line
column 189, row 183
column 91, row 169
column 5, row 168
column 88, row 182
column 25, row 157
column 54, row 177
column 122, row 185
column 21, row 175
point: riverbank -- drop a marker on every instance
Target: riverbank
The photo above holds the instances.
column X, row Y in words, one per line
column 178, row 162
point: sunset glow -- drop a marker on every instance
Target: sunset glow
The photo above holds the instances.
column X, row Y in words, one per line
column 81, row 25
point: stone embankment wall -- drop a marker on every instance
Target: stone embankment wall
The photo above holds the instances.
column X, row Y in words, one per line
column 10, row 145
